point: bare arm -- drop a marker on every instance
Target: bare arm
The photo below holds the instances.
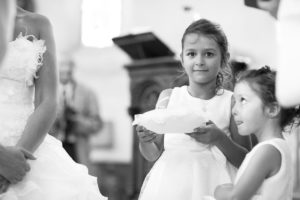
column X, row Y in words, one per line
column 7, row 14
column 13, row 165
column 268, row 160
column 45, row 103
column 152, row 147
column 234, row 149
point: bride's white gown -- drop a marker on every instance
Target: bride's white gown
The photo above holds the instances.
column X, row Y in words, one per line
column 53, row 175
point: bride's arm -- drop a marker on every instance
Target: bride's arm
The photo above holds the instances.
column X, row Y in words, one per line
column 7, row 15
column 45, row 103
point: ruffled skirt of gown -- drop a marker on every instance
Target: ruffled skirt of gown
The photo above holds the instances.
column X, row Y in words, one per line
column 53, row 175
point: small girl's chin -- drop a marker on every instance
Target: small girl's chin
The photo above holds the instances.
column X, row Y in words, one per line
column 243, row 132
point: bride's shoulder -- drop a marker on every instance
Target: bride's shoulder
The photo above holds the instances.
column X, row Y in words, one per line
column 39, row 19
column 35, row 22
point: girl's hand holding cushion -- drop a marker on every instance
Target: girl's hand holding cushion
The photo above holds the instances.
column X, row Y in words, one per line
column 4, row 184
column 145, row 135
column 207, row 134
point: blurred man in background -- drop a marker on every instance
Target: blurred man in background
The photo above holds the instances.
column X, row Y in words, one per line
column 78, row 114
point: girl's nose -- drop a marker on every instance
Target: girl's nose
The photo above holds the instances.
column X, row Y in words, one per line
column 234, row 109
column 199, row 60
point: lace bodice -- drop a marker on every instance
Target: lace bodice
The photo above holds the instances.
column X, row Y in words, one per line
column 17, row 74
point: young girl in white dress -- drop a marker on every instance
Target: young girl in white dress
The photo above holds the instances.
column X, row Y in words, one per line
column 267, row 172
column 190, row 166
column 28, row 99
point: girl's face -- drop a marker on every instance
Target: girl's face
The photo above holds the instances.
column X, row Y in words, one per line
column 201, row 58
column 248, row 110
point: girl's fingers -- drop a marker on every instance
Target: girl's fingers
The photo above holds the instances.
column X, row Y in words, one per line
column 139, row 128
column 209, row 122
column 142, row 129
column 148, row 133
column 145, row 135
column 191, row 134
column 148, row 138
column 3, row 187
column 200, row 131
column 151, row 137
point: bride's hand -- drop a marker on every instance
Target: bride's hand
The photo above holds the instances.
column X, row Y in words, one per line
column 27, row 154
column 4, row 184
column 222, row 191
column 13, row 163
column 145, row 135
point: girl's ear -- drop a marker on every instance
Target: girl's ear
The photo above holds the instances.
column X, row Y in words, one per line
column 273, row 110
column 227, row 56
column 225, row 60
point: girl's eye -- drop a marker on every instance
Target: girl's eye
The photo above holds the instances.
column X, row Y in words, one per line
column 209, row 54
column 243, row 100
column 191, row 54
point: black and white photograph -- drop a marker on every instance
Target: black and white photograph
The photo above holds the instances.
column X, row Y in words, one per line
column 149, row 100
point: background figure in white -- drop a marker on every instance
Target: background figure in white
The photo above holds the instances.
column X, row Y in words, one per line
column 287, row 15
column 288, row 31
column 28, row 101
column 287, row 88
